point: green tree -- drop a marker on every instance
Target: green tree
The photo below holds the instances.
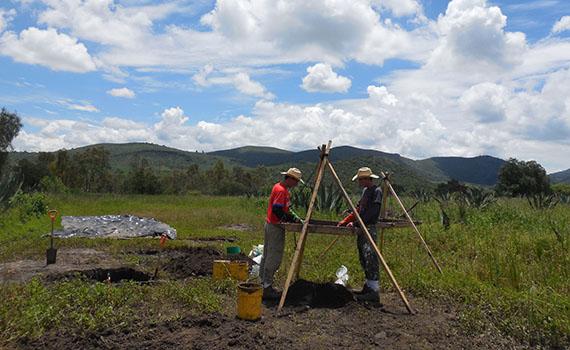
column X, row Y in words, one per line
column 522, row 178
column 31, row 173
column 10, row 126
column 142, row 179
column 91, row 170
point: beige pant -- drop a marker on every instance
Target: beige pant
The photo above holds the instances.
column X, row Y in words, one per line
column 273, row 247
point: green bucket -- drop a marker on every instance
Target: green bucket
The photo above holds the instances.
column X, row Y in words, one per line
column 233, row 250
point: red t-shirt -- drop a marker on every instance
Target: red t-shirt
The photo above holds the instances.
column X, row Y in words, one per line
column 280, row 196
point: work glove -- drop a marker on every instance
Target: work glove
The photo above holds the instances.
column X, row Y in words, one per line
column 296, row 218
column 347, row 220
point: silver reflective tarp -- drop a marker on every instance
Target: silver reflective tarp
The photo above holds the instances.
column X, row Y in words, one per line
column 113, row 226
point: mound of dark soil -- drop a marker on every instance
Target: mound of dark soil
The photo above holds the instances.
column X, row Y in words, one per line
column 318, row 295
column 191, row 261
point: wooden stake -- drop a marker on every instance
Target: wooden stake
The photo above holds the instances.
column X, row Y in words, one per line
column 365, row 230
column 387, row 181
column 297, row 256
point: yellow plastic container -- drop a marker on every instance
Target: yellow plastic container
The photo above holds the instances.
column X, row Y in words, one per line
column 239, row 270
column 249, row 301
column 221, row 269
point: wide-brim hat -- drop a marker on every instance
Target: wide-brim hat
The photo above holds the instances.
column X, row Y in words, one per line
column 363, row 173
column 294, row 173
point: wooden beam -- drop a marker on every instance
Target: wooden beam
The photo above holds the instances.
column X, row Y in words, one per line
column 297, row 256
column 369, row 237
column 412, row 223
column 343, row 230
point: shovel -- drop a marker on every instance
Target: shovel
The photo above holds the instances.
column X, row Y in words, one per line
column 51, row 253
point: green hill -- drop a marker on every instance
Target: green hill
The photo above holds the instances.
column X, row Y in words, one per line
column 406, row 172
column 162, row 158
column 560, row 177
column 482, row 170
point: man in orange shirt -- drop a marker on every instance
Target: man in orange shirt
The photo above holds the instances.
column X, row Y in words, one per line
column 274, row 235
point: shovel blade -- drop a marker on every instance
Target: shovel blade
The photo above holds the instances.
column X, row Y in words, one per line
column 51, row 255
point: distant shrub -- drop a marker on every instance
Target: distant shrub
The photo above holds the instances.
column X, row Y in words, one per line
column 562, row 189
column 29, row 204
column 53, row 184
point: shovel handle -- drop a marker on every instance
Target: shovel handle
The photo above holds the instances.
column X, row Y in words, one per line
column 52, row 214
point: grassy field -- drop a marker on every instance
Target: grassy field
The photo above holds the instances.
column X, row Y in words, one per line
column 505, row 265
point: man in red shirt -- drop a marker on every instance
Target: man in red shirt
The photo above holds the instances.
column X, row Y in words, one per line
column 274, row 235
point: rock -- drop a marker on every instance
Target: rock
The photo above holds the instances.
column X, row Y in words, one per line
column 380, row 335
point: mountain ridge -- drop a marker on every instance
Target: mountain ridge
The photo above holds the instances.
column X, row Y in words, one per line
column 479, row 170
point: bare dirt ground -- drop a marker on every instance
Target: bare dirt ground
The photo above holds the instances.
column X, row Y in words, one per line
column 354, row 326
column 68, row 259
column 348, row 325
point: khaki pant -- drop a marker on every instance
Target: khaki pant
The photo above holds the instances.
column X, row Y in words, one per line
column 273, row 247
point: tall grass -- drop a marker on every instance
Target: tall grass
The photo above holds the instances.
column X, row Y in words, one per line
column 506, row 263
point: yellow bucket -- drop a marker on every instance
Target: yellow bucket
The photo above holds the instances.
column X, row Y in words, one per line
column 221, row 269
column 239, row 270
column 249, row 301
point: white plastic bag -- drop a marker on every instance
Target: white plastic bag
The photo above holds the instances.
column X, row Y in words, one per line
column 342, row 275
column 256, row 254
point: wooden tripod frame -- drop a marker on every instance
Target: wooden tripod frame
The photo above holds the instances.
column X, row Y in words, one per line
column 298, row 255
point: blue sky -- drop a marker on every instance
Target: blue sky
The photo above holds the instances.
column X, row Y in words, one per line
column 419, row 78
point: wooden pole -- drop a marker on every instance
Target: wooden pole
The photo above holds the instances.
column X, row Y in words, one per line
column 383, row 210
column 297, row 256
column 325, row 150
column 386, row 180
column 328, row 248
column 365, row 230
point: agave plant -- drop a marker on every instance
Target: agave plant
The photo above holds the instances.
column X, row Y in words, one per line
column 9, row 185
column 543, row 201
column 421, row 195
column 478, row 198
column 330, row 199
column 564, row 198
column 443, row 199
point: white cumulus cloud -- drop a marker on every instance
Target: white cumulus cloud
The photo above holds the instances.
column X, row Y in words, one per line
column 400, row 7
column 487, row 101
column 241, row 81
column 49, row 48
column 122, row 92
column 562, row 25
column 321, row 78
column 5, row 17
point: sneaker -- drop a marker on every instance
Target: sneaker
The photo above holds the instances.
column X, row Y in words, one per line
column 270, row 293
column 370, row 295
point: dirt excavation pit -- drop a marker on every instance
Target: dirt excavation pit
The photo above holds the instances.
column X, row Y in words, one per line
column 318, row 295
column 113, row 275
column 189, row 261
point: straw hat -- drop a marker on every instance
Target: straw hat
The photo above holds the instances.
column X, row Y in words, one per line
column 364, row 172
column 294, row 173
